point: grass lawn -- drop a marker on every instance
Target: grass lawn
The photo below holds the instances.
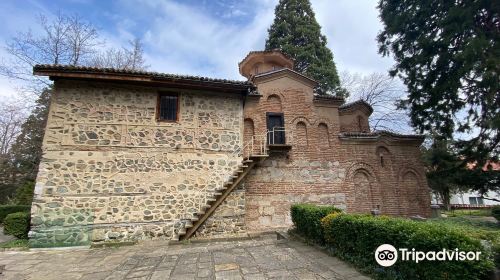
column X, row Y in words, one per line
column 481, row 227
column 486, row 212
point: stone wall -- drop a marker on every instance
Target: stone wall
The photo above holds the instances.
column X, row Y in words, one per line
column 228, row 219
column 110, row 171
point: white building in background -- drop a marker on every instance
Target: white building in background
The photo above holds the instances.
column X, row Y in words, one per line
column 474, row 198
column 470, row 199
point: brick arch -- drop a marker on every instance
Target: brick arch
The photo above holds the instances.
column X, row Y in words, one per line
column 277, row 92
column 301, row 134
column 274, row 103
column 322, row 120
column 411, row 193
column 323, row 136
column 363, row 188
column 301, row 119
column 361, row 165
column 384, row 156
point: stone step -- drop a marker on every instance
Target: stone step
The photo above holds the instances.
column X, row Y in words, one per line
column 248, row 161
column 206, row 206
column 182, row 231
column 233, row 176
column 258, row 156
column 194, row 219
column 201, row 212
column 188, row 224
column 211, row 199
column 240, row 171
column 217, row 193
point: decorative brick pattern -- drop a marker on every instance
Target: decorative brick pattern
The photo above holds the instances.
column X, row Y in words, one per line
column 354, row 174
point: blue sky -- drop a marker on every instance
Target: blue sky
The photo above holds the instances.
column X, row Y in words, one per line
column 205, row 37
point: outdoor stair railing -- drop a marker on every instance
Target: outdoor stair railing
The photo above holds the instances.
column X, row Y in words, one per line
column 255, row 150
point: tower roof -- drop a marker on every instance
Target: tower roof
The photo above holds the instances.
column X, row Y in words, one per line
column 255, row 58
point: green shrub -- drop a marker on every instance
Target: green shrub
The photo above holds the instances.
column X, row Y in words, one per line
column 24, row 194
column 495, row 212
column 307, row 220
column 8, row 209
column 356, row 237
column 17, row 224
column 496, row 254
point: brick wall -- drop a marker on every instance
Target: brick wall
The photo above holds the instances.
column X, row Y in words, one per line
column 353, row 174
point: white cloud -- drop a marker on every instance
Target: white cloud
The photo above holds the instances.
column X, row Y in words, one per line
column 186, row 40
column 351, row 28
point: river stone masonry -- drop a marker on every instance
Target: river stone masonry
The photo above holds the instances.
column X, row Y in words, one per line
column 110, row 171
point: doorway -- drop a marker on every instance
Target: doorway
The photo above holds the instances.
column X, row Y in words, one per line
column 276, row 128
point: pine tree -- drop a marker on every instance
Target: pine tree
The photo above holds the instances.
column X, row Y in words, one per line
column 448, row 54
column 296, row 32
column 27, row 149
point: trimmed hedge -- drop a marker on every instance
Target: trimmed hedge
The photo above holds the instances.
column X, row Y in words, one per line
column 8, row 209
column 495, row 212
column 17, row 224
column 356, row 237
column 307, row 219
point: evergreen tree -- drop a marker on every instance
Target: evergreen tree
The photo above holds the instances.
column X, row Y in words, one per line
column 447, row 173
column 27, row 149
column 296, row 32
column 444, row 170
column 448, row 54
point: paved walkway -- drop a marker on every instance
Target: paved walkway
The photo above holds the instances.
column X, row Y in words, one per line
column 260, row 258
column 5, row 238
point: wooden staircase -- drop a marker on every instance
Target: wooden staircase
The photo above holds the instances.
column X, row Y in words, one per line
column 189, row 226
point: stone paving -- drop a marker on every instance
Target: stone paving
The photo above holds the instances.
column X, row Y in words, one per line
column 258, row 258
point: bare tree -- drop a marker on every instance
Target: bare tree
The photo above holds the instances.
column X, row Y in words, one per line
column 61, row 40
column 11, row 119
column 383, row 93
column 128, row 59
column 82, row 39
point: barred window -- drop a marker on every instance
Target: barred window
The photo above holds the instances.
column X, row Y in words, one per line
column 168, row 106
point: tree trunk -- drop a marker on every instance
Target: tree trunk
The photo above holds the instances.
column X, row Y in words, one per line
column 445, row 195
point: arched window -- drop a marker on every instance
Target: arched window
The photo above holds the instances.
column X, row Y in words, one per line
column 383, row 156
column 363, row 193
column 274, row 103
column 323, row 136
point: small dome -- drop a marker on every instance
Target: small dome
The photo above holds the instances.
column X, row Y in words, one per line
column 257, row 62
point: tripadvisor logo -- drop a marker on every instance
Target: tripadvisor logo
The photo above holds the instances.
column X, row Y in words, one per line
column 387, row 255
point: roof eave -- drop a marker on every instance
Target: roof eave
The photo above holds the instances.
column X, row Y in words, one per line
column 415, row 139
column 284, row 71
column 143, row 79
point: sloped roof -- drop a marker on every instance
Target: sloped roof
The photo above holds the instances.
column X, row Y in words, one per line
column 381, row 133
column 358, row 103
column 283, row 71
column 265, row 52
column 83, row 72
